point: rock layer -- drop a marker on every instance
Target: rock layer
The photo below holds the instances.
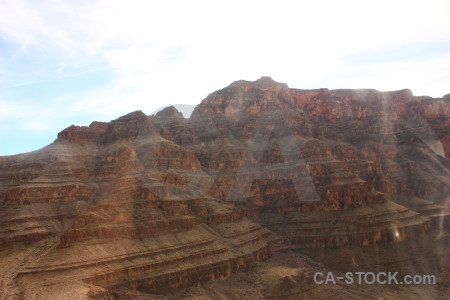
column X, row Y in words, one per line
column 153, row 203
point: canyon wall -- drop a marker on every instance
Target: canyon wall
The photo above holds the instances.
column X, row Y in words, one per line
column 154, row 203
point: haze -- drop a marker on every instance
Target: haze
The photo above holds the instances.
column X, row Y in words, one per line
column 73, row 62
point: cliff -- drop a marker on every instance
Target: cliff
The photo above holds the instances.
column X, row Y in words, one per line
column 160, row 202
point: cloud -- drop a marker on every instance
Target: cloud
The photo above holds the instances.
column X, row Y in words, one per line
column 132, row 36
column 428, row 77
column 28, row 116
column 8, row 110
column 160, row 53
column 37, row 126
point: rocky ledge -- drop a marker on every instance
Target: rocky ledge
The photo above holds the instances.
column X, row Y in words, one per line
column 160, row 202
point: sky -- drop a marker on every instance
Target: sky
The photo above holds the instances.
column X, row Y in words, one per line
column 77, row 61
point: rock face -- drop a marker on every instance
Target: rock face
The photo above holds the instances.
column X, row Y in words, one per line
column 155, row 203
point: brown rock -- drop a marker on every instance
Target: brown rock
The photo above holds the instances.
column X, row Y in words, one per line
column 154, row 203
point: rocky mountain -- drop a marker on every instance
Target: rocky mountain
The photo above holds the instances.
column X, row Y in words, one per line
column 261, row 178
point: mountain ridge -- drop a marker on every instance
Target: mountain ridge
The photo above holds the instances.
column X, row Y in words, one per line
column 151, row 203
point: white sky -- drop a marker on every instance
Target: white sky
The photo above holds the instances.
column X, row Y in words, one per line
column 64, row 62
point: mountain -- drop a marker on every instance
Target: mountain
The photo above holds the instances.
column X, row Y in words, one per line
column 261, row 178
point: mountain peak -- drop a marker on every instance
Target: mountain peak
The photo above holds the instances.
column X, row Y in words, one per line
column 169, row 111
column 130, row 116
column 264, row 83
column 266, row 80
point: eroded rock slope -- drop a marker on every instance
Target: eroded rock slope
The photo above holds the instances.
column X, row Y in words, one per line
column 155, row 203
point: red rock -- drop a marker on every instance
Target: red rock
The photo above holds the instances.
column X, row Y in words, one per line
column 144, row 202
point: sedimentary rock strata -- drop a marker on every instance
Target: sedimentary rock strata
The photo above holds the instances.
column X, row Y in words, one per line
column 160, row 202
